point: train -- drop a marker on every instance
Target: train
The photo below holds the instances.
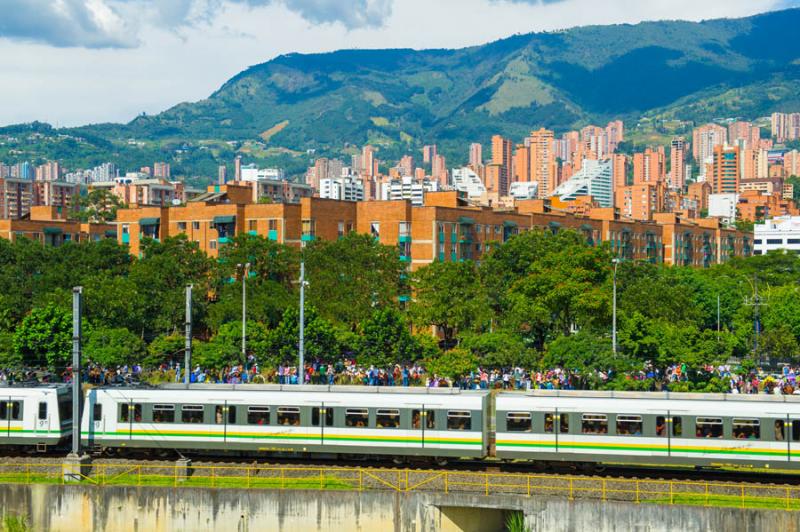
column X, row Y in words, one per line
column 581, row 428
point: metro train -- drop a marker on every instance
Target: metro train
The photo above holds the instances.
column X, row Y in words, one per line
column 587, row 429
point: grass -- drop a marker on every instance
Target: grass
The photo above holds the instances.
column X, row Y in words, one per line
column 15, row 523
column 728, row 501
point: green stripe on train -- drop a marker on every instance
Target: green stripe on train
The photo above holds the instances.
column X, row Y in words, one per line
column 665, row 450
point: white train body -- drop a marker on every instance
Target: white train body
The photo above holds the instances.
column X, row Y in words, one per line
column 39, row 415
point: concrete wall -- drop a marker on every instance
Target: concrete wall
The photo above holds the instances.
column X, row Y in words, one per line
column 76, row 508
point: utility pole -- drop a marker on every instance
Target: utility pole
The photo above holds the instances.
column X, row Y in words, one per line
column 718, row 328
column 756, row 302
column 614, row 311
column 245, row 272
column 301, row 373
column 77, row 309
column 187, row 356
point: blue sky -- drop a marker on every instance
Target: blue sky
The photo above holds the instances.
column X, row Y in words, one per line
column 71, row 62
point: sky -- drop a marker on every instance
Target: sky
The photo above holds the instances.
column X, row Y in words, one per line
column 74, row 62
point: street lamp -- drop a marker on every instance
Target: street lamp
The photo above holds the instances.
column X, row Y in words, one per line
column 615, row 262
column 245, row 271
column 301, row 371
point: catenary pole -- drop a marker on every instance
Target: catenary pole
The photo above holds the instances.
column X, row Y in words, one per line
column 77, row 296
column 187, row 356
column 301, row 347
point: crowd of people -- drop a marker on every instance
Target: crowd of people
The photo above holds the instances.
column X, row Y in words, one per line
column 348, row 372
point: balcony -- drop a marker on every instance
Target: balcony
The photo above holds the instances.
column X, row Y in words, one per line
column 405, row 258
column 404, row 239
column 126, row 238
column 272, row 234
column 307, row 238
column 224, row 240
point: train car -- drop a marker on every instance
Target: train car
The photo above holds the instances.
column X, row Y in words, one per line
column 35, row 417
column 652, row 428
column 341, row 420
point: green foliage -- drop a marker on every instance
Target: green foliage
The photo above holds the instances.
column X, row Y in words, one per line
column 362, row 273
column 452, row 363
column 515, row 522
column 98, row 206
column 44, row 338
column 15, row 523
column 113, row 347
column 499, row 349
column 165, row 348
column 319, row 335
column 386, row 340
column 9, row 357
column 450, row 296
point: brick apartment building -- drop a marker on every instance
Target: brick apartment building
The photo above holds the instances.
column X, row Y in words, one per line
column 50, row 226
column 445, row 228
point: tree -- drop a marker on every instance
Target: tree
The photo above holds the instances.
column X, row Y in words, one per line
column 583, row 352
column 449, row 296
column 165, row 348
column 266, row 302
column 269, row 261
column 113, row 301
column 98, row 206
column 45, row 337
column 386, row 339
column 361, row 273
column 113, row 346
column 499, row 349
column 320, row 338
column 9, row 357
column 453, row 363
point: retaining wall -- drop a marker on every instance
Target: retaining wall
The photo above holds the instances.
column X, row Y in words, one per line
column 148, row 509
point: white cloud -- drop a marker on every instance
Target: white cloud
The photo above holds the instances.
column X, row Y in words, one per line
column 123, row 57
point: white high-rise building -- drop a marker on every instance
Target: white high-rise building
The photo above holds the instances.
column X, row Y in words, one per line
column 251, row 172
column 408, row 188
column 595, row 178
column 343, row 188
column 723, row 206
column 465, row 180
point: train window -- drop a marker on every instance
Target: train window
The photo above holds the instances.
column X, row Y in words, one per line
column 661, row 426
column 219, row 414
column 11, row 410
column 97, row 412
column 746, row 429
column 289, row 415
column 64, row 410
column 629, row 425
column 709, row 427
column 130, row 413
column 328, row 416
column 258, row 415
column 163, row 413
column 192, row 413
column 780, row 435
column 356, row 417
column 796, row 430
column 387, row 419
column 459, row 420
column 430, row 419
column 677, row 426
column 563, row 423
column 518, row 422
column 43, row 410
column 594, row 424
column 548, row 423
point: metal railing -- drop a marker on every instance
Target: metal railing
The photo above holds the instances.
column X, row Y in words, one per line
column 571, row 487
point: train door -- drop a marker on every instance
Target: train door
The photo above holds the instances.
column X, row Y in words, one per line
column 98, row 423
column 5, row 417
column 793, row 443
column 423, row 424
column 321, row 417
column 11, row 415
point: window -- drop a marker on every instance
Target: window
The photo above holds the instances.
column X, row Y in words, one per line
column 129, row 413
column 548, row 423
column 594, row 424
column 42, row 410
column 196, row 226
column 780, row 435
column 163, row 413
column 212, row 244
column 375, row 229
column 796, row 430
column 430, row 419
column 563, row 421
column 518, row 422
column 289, row 415
column 661, row 426
column 328, row 416
column 308, row 228
column 219, row 414
column 252, row 225
column 356, row 417
column 774, row 241
column 64, row 410
column 459, row 420
column 793, row 241
column 677, row 426
column 126, row 229
column 272, row 225
column 709, row 427
column 181, row 226
column 746, row 429
column 340, row 229
column 97, row 412
column 258, row 415
column 629, row 425
column 387, row 419
column 10, row 410
column 405, row 228
column 192, row 413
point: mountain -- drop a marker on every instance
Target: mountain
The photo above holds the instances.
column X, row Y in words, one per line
column 399, row 99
